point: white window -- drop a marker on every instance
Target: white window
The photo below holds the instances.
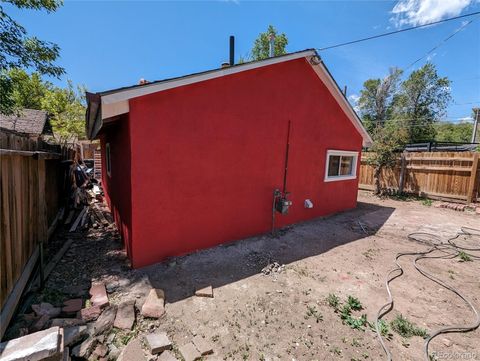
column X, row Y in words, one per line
column 108, row 159
column 340, row 165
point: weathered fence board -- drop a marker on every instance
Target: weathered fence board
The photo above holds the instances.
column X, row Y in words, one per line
column 449, row 175
column 29, row 200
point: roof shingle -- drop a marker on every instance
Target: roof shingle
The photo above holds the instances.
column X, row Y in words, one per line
column 28, row 121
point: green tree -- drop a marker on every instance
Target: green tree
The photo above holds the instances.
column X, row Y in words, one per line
column 451, row 132
column 66, row 107
column 27, row 90
column 388, row 142
column 377, row 108
column 19, row 50
column 423, row 99
column 377, row 100
column 261, row 47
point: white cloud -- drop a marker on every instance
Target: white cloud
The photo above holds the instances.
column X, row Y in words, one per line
column 353, row 99
column 420, row 12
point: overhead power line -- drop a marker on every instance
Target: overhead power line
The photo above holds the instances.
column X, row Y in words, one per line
column 468, row 103
column 418, row 123
column 441, row 43
column 396, row 31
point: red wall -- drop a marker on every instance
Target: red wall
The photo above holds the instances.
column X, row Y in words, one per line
column 205, row 158
column 117, row 187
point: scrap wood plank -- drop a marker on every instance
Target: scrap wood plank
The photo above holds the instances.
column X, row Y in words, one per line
column 53, row 262
column 69, row 217
column 11, row 304
column 84, row 218
column 77, row 221
column 98, row 212
column 54, row 224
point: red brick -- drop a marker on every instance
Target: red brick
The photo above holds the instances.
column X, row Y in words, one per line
column 154, row 305
column 98, row 295
column 89, row 314
column 72, row 306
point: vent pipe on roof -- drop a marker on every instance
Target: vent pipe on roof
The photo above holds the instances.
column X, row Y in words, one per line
column 272, row 45
column 232, row 50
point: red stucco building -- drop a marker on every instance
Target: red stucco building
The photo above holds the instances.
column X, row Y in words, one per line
column 193, row 162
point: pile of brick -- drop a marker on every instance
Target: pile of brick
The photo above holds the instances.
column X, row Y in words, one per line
column 459, row 207
column 85, row 329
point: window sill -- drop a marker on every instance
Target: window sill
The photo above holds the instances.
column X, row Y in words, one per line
column 339, row 178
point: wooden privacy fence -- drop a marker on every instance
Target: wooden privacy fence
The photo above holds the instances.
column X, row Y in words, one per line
column 440, row 175
column 30, row 183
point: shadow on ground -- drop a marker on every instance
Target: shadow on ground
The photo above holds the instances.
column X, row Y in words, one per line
column 97, row 255
column 221, row 265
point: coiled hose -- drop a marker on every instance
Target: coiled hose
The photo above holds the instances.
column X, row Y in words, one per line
column 448, row 250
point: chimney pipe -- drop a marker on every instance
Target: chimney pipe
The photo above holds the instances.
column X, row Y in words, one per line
column 232, row 50
column 272, row 44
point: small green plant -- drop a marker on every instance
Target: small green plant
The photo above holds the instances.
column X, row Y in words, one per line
column 450, row 274
column 335, row 350
column 313, row 312
column 354, row 303
column 464, row 257
column 357, row 323
column 427, row 202
column 407, row 329
column 384, row 329
column 345, row 311
column 333, row 300
column 356, row 342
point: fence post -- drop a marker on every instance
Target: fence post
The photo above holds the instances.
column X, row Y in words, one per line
column 473, row 178
column 402, row 174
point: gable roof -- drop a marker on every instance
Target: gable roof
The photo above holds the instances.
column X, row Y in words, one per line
column 27, row 121
column 108, row 104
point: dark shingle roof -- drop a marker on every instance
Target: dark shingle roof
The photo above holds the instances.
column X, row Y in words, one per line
column 28, row 121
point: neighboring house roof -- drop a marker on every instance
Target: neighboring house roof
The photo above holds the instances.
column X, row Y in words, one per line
column 27, row 121
column 108, row 104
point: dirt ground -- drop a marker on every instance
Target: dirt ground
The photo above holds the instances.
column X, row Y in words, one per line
column 284, row 315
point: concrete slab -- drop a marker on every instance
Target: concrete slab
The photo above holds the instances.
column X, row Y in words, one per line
column 158, row 342
column 190, row 352
column 132, row 352
column 202, row 345
column 74, row 334
column 36, row 346
column 167, row 356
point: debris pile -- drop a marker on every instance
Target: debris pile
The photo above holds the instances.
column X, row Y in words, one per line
column 272, row 268
column 459, row 207
column 86, row 311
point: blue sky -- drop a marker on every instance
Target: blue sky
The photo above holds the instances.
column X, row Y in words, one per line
column 108, row 44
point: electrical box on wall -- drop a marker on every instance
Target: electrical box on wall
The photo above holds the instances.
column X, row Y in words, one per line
column 308, row 203
column 282, row 204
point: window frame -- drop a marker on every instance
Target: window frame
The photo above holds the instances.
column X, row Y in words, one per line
column 108, row 159
column 345, row 153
